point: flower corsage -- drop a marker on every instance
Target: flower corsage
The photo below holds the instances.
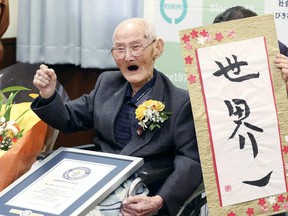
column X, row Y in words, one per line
column 151, row 114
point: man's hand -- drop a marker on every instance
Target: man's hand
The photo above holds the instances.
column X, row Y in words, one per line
column 141, row 205
column 45, row 81
column 281, row 62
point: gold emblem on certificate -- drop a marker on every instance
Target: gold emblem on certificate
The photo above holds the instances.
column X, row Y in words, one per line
column 77, row 173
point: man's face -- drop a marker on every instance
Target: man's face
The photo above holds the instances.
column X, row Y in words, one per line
column 136, row 70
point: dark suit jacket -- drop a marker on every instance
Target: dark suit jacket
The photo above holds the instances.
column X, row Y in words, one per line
column 283, row 48
column 173, row 145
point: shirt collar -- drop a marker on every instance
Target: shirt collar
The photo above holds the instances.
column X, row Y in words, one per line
column 143, row 93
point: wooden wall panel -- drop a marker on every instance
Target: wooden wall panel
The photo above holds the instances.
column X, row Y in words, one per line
column 9, row 58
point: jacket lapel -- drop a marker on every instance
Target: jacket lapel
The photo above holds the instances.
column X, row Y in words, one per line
column 137, row 142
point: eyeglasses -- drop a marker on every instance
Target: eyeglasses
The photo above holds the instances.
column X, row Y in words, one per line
column 135, row 50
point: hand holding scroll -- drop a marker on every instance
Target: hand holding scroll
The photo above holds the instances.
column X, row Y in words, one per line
column 281, row 62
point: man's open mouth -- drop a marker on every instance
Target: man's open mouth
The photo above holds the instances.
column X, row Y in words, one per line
column 133, row 68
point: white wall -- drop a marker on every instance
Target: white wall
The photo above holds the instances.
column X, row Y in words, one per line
column 12, row 29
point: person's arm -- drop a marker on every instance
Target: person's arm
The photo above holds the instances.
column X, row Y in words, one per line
column 66, row 117
column 283, row 48
column 187, row 169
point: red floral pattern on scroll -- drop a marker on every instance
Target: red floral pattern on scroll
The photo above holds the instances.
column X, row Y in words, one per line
column 188, row 60
column 186, row 38
column 219, row 37
column 231, row 214
column 194, row 34
column 192, row 79
column 250, row 211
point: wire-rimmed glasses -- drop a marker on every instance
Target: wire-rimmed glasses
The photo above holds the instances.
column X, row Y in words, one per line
column 135, row 50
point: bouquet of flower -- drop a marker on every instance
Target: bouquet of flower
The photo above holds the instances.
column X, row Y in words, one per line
column 22, row 136
column 151, row 114
column 10, row 130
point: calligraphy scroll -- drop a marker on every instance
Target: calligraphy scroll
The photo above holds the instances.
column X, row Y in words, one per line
column 240, row 111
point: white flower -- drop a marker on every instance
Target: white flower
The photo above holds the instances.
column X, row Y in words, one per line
column 11, row 126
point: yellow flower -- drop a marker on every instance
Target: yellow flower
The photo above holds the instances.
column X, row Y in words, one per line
column 10, row 134
column 156, row 105
column 140, row 112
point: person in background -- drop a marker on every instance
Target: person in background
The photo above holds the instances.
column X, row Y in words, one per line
column 239, row 12
column 4, row 23
column 110, row 110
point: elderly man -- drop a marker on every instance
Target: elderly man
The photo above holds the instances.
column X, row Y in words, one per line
column 110, row 110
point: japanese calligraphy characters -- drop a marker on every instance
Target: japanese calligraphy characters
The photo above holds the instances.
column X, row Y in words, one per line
column 231, row 67
column 242, row 114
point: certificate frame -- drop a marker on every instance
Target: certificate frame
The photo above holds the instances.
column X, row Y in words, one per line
column 122, row 168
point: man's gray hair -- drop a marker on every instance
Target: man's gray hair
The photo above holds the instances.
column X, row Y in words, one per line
column 149, row 29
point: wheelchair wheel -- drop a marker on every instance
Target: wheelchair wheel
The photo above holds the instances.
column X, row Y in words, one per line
column 194, row 207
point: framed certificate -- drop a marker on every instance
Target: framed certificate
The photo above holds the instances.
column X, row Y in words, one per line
column 68, row 182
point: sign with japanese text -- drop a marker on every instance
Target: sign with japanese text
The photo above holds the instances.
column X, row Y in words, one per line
column 240, row 110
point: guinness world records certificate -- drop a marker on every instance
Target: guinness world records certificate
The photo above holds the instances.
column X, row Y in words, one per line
column 68, row 182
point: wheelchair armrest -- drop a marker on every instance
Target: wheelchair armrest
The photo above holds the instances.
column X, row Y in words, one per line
column 146, row 177
column 133, row 187
column 44, row 155
column 154, row 174
column 86, row 147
